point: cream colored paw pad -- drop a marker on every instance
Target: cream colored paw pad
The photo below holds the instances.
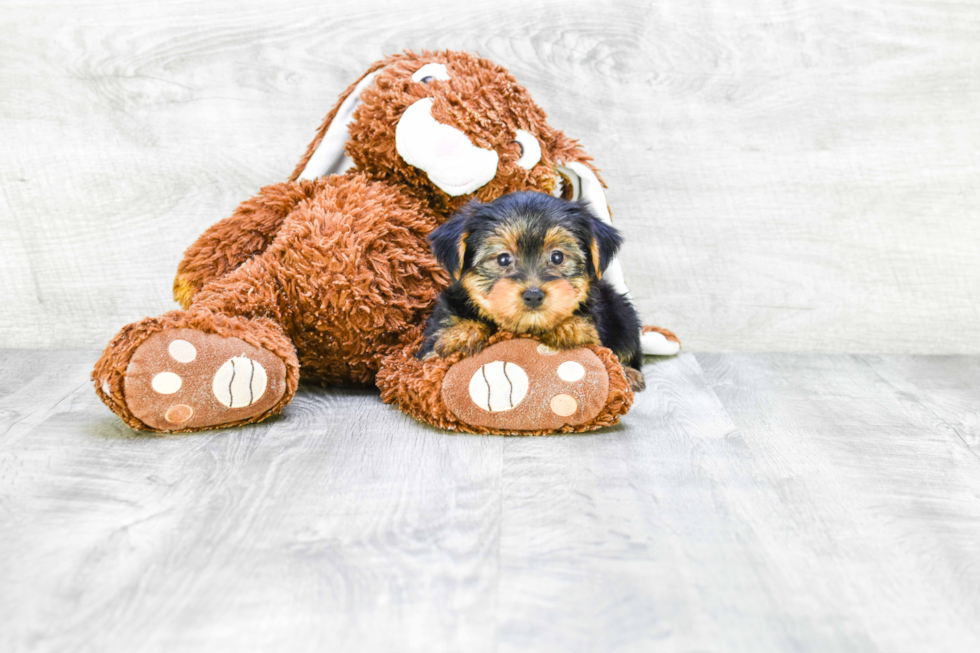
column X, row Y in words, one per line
column 182, row 351
column 498, row 386
column 240, row 382
column 571, row 371
column 166, row 383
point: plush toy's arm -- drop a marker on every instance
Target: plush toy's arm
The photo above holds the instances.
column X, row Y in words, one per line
column 236, row 239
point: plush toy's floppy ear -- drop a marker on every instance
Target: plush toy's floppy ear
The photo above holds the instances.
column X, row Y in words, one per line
column 605, row 243
column 325, row 155
column 587, row 187
column 449, row 243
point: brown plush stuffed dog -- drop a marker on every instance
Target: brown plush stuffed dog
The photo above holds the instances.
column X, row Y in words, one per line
column 330, row 272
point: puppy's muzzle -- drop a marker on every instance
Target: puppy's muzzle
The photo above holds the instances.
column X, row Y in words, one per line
column 533, row 297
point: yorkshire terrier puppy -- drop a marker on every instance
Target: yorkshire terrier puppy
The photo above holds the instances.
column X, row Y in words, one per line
column 531, row 263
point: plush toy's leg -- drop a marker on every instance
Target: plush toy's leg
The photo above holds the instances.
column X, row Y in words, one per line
column 239, row 237
column 201, row 368
column 516, row 385
column 356, row 279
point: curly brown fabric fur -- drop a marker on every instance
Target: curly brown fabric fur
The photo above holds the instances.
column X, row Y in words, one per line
column 414, row 386
column 245, row 234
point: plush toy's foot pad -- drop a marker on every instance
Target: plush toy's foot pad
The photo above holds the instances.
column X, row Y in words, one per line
column 180, row 379
column 522, row 385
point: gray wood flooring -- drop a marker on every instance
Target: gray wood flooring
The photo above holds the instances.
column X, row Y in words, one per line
column 748, row 503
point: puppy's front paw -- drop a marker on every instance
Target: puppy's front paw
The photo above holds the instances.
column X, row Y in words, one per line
column 635, row 378
column 573, row 332
column 466, row 336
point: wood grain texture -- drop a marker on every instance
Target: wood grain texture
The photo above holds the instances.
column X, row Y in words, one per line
column 791, row 175
column 747, row 503
column 872, row 498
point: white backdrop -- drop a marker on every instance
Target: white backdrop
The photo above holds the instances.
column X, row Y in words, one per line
column 790, row 175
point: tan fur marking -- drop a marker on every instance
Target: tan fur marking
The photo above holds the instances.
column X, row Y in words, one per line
column 471, row 281
column 462, row 256
column 596, row 259
column 466, row 336
column 573, row 332
column 504, row 303
column 504, row 239
column 560, row 238
column 561, row 300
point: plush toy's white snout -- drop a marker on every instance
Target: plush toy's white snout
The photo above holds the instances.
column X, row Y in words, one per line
column 444, row 153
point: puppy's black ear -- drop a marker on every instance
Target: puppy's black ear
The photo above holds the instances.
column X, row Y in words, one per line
column 605, row 243
column 448, row 241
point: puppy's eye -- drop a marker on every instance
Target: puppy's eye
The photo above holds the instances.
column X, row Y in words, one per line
column 503, row 260
column 557, row 257
column 519, row 147
column 427, row 79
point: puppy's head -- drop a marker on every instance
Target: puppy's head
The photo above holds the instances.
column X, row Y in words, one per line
column 526, row 259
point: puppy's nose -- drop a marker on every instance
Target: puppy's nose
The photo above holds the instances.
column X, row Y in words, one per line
column 533, row 297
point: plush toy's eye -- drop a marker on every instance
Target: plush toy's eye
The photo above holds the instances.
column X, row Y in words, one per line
column 503, row 260
column 519, row 147
column 429, row 72
column 557, row 257
column 530, row 149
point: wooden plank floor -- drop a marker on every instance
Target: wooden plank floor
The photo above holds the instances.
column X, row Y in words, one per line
column 748, row 503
